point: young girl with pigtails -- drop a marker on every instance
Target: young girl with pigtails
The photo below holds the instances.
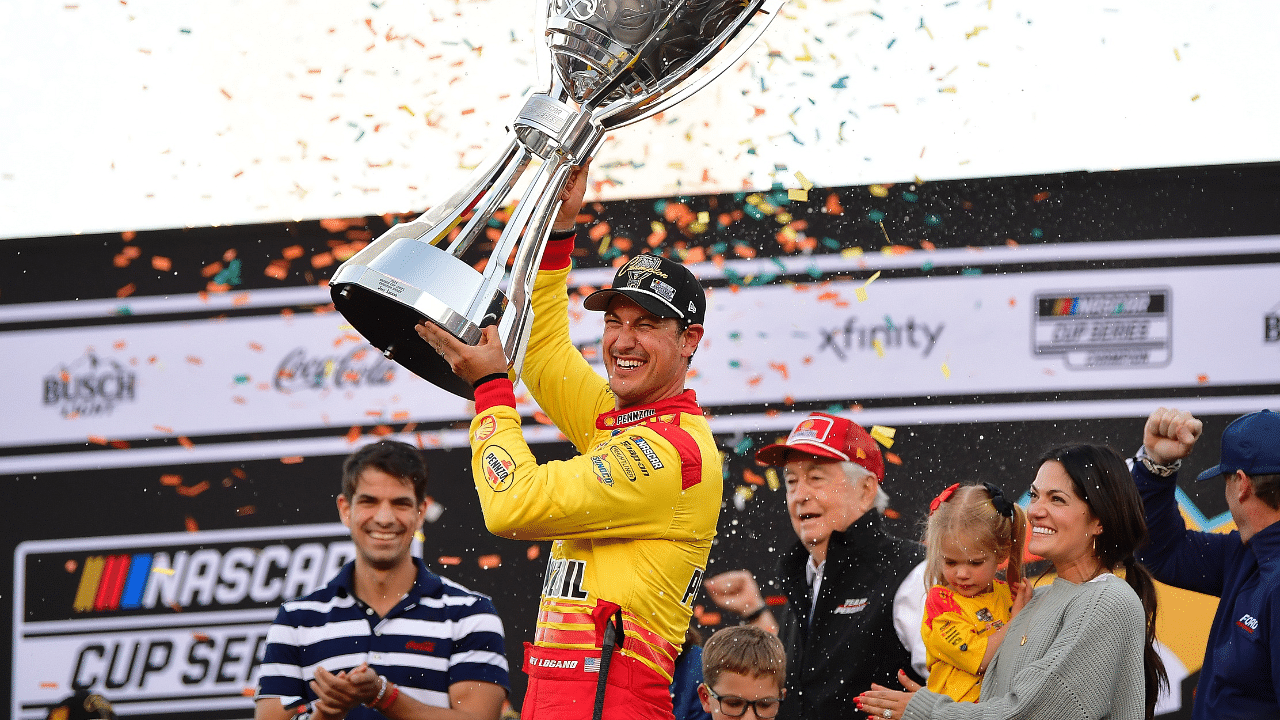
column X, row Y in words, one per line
column 971, row 531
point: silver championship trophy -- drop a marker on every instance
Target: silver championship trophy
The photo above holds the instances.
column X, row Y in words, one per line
column 612, row 62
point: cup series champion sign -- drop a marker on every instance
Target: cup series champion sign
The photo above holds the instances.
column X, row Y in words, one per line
column 168, row 623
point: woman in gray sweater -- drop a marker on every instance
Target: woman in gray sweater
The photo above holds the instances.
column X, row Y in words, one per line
column 1082, row 648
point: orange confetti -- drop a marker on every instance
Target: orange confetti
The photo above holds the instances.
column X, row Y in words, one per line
column 892, row 458
column 71, row 566
column 353, row 435
column 381, row 430
column 293, row 252
column 246, row 510
column 164, row 429
column 541, row 418
column 450, row 560
column 1041, row 196
column 291, row 460
column 239, row 473
column 489, row 562
column 532, row 553
column 185, row 442
column 170, row 480
column 97, row 440
column 1202, row 378
column 126, row 291
column 194, row 360
column 752, row 478
column 193, row 490
column 163, row 264
column 892, row 514
column 191, row 524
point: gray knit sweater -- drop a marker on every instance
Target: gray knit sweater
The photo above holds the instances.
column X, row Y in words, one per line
column 1082, row 659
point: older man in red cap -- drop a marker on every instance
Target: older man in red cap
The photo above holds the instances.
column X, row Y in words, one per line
column 854, row 594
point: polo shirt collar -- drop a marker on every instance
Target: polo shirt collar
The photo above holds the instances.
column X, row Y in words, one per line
column 426, row 583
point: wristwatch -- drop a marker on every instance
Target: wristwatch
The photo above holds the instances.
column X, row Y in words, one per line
column 1153, row 468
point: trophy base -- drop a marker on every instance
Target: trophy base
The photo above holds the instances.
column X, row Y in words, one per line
column 404, row 283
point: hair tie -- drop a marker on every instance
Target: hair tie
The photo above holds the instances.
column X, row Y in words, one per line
column 1002, row 504
column 942, row 497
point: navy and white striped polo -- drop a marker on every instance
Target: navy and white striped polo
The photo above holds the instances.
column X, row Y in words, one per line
column 439, row 634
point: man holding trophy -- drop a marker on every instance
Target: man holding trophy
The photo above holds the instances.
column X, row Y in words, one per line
column 633, row 516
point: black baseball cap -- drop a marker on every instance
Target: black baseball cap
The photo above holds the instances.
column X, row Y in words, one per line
column 663, row 287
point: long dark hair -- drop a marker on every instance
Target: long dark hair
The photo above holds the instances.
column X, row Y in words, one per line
column 1100, row 477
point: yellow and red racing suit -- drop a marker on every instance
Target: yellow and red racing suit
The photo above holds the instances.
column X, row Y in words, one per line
column 632, row 516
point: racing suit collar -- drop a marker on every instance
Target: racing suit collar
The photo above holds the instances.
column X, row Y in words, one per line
column 685, row 402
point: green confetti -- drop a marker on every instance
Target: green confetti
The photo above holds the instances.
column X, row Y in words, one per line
column 744, row 447
column 875, row 216
column 932, row 220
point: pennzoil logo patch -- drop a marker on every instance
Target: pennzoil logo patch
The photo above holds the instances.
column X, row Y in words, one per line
column 603, row 474
column 486, row 428
column 499, row 469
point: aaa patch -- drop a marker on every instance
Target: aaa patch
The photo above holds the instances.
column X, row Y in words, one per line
column 499, row 469
column 485, row 430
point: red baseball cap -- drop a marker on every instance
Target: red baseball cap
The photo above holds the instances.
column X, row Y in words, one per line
column 828, row 436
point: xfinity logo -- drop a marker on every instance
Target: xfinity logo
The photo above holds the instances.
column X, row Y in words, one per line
column 89, row 386
column 300, row 370
column 854, row 336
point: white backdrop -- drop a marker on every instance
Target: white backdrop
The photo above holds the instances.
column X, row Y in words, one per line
column 172, row 113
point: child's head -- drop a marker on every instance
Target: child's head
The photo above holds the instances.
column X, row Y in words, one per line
column 742, row 663
column 972, row 530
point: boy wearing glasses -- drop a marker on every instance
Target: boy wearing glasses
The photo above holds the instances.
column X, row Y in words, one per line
column 743, row 668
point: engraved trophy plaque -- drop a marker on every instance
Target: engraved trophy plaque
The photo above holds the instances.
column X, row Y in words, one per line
column 610, row 63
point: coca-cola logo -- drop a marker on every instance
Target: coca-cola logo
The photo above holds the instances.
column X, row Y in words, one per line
column 89, row 386
column 359, row 367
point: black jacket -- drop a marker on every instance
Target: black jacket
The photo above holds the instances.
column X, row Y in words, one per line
column 851, row 642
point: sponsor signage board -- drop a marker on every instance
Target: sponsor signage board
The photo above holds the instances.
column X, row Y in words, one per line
column 165, row 623
column 915, row 336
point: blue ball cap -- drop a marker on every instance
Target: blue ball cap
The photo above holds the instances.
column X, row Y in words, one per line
column 1250, row 443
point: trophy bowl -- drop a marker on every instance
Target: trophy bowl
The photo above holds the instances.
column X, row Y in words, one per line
column 609, row 63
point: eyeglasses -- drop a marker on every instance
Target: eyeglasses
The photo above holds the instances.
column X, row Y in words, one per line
column 734, row 706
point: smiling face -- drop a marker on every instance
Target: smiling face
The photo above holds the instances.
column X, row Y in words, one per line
column 968, row 569
column 1063, row 527
column 646, row 356
column 821, row 499
column 382, row 515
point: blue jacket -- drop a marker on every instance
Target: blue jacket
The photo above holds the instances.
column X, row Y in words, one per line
column 1241, row 672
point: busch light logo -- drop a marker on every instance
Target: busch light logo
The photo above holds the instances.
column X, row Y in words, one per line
column 361, row 366
column 89, row 386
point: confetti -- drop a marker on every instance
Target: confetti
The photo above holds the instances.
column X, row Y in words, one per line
column 162, row 570
column 883, row 435
column 533, row 552
column 946, row 371
column 489, row 562
column 879, row 346
column 450, row 560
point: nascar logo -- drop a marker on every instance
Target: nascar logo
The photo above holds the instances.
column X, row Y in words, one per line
column 205, row 576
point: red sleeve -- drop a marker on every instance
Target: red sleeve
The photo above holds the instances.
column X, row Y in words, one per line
column 556, row 255
column 495, row 392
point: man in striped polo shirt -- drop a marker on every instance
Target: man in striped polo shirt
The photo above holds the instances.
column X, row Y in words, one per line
column 386, row 637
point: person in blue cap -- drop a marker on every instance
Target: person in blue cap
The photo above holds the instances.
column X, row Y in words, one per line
column 1240, row 678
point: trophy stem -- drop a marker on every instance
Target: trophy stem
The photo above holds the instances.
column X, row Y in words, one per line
column 517, row 320
column 515, row 159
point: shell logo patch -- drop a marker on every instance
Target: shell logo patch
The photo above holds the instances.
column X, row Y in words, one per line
column 486, row 428
column 499, row 469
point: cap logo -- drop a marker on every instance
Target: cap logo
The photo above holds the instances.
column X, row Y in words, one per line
column 811, row 430
column 663, row 289
column 645, row 262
